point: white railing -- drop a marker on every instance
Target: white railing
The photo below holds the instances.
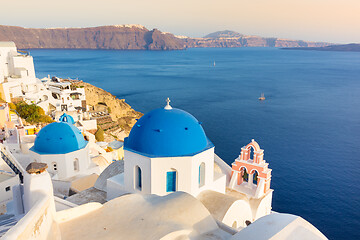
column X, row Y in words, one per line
column 36, row 224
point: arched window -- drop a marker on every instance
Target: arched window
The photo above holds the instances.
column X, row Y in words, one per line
column 138, row 178
column 251, row 153
column 76, row 164
column 171, row 180
column 245, row 175
column 255, row 177
column 202, row 174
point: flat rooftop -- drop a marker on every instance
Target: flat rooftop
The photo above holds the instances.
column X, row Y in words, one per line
column 5, row 176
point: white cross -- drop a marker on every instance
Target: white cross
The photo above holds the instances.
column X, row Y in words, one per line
column 168, row 107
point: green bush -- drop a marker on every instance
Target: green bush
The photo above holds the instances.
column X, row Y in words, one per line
column 99, row 135
column 32, row 113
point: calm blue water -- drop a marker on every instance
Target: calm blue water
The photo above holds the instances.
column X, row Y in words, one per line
column 309, row 125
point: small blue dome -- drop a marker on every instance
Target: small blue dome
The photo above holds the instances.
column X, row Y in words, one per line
column 66, row 118
column 59, row 138
column 167, row 133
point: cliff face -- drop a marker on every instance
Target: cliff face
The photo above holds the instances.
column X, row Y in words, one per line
column 121, row 113
column 122, row 37
column 135, row 37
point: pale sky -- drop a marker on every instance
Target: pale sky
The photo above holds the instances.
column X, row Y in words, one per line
column 336, row 21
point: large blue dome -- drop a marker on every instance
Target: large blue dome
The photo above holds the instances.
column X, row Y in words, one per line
column 167, row 133
column 59, row 138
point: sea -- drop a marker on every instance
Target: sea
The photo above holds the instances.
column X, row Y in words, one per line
column 308, row 126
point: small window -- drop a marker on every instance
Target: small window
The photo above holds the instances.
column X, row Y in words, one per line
column 76, row 164
column 7, row 188
column 138, row 178
column 171, row 181
column 202, row 174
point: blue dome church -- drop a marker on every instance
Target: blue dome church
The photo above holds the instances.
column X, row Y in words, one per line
column 63, row 148
column 167, row 150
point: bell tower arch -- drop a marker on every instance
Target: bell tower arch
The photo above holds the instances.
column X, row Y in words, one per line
column 251, row 175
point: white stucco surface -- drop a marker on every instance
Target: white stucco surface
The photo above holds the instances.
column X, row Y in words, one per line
column 154, row 170
column 278, row 226
column 177, row 215
column 228, row 209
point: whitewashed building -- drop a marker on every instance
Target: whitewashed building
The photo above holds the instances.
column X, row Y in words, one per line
column 17, row 79
column 68, row 98
column 17, row 76
column 63, row 148
column 179, row 189
column 8, row 179
column 167, row 151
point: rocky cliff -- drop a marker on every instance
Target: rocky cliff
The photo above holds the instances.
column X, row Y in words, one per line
column 121, row 113
column 124, row 37
column 135, row 37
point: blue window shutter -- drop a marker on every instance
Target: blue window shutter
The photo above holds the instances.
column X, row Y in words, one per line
column 199, row 174
column 139, row 180
column 171, row 181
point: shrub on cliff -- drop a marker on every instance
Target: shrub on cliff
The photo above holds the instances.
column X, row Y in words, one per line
column 99, row 135
column 32, row 113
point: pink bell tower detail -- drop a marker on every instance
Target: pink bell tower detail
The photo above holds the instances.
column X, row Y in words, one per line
column 251, row 176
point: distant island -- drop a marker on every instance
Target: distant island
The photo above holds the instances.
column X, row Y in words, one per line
column 135, row 37
column 352, row 47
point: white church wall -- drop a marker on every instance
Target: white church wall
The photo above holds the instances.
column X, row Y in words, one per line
column 133, row 160
column 159, row 169
column 206, row 157
column 65, row 167
column 154, row 173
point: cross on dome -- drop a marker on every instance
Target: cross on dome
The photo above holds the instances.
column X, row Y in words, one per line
column 168, row 107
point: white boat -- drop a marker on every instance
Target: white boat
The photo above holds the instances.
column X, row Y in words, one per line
column 262, row 97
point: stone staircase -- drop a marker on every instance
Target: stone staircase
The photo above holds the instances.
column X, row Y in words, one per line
column 7, row 221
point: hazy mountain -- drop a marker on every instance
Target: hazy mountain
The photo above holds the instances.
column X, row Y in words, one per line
column 229, row 38
column 352, row 47
column 224, row 34
column 126, row 37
